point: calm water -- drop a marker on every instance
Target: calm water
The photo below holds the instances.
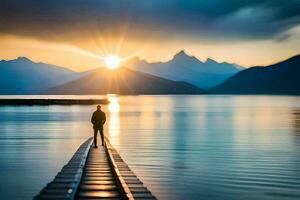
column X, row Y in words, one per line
column 182, row 147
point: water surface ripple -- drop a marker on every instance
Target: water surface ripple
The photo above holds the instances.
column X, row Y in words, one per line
column 182, row 147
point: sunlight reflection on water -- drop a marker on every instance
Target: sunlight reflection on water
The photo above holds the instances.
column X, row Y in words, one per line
column 182, row 147
column 114, row 119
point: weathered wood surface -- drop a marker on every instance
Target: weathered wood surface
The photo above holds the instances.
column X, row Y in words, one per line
column 131, row 184
column 98, row 180
column 66, row 182
column 96, row 173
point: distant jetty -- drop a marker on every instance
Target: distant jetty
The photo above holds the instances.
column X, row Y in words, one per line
column 52, row 101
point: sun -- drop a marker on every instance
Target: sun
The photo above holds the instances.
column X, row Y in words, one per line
column 112, row 61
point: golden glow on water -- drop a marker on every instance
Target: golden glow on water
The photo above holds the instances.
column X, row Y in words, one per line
column 113, row 106
column 240, row 145
column 259, row 119
column 114, row 119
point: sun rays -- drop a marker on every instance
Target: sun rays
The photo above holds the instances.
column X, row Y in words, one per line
column 112, row 61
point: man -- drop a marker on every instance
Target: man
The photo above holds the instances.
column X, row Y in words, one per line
column 98, row 119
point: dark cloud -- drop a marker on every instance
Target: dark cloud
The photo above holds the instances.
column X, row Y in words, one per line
column 213, row 19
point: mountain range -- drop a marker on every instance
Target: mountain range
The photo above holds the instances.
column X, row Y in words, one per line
column 23, row 76
column 279, row 78
column 183, row 74
column 189, row 69
column 123, row 81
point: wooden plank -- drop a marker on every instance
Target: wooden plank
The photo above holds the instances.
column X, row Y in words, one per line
column 98, row 187
column 132, row 186
column 66, row 182
column 96, row 173
column 97, row 178
column 99, row 194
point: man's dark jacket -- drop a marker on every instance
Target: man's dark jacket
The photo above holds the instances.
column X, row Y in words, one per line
column 98, row 119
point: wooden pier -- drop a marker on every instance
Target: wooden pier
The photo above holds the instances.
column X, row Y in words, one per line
column 47, row 102
column 96, row 173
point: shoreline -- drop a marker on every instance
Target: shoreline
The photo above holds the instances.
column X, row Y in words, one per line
column 52, row 101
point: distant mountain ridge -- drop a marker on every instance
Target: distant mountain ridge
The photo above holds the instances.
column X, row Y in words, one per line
column 123, row 82
column 188, row 69
column 279, row 78
column 23, row 76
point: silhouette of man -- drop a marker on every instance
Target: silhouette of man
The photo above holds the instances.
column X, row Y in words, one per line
column 98, row 119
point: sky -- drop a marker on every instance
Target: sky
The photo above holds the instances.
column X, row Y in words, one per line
column 78, row 34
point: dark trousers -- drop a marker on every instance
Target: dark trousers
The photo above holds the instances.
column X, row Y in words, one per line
column 96, row 129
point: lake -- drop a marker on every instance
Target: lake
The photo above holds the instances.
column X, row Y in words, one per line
column 181, row 147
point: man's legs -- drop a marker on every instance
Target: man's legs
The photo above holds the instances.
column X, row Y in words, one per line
column 95, row 137
column 102, row 136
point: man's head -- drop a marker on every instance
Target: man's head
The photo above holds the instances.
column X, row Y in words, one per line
column 98, row 107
